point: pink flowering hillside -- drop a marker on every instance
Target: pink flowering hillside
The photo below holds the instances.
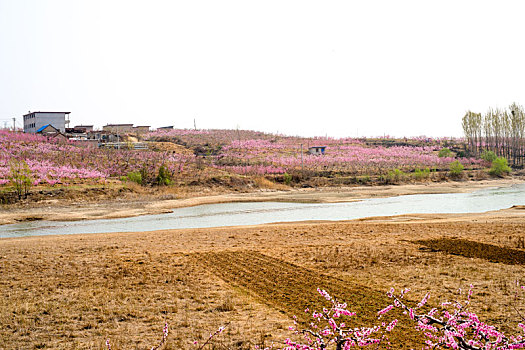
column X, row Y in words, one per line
column 220, row 152
column 51, row 162
column 248, row 152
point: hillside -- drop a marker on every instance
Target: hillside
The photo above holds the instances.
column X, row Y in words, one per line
column 185, row 162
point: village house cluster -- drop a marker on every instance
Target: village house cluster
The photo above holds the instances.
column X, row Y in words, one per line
column 56, row 125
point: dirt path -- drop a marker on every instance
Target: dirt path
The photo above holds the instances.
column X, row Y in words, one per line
column 121, row 209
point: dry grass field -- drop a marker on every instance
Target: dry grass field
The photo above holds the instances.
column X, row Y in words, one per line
column 74, row 292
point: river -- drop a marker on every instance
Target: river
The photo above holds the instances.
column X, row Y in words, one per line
column 235, row 214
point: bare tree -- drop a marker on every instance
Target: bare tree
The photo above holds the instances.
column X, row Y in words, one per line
column 500, row 131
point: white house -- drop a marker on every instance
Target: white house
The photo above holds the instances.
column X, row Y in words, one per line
column 33, row 121
column 317, row 150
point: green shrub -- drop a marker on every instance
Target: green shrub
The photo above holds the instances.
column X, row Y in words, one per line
column 20, row 177
column 445, row 152
column 287, row 179
column 499, row 167
column 421, row 174
column 147, row 177
column 395, row 175
column 456, row 168
column 134, row 176
column 365, row 179
column 164, row 176
column 488, row 156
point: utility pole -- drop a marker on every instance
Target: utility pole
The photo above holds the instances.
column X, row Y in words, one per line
column 194, row 124
column 14, row 124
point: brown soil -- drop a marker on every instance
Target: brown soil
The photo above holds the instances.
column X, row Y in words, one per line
column 168, row 147
column 74, row 291
column 470, row 249
column 290, row 288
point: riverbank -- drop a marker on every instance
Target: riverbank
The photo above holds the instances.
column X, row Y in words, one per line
column 75, row 291
column 110, row 209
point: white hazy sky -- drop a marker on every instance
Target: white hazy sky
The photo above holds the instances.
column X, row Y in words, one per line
column 336, row 68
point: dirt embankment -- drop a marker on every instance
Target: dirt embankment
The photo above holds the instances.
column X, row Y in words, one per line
column 135, row 205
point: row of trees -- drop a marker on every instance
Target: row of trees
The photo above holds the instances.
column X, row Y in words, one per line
column 500, row 131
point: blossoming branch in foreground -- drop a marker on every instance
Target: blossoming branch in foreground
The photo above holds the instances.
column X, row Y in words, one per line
column 452, row 327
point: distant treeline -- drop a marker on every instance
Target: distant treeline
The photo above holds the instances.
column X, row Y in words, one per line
column 498, row 130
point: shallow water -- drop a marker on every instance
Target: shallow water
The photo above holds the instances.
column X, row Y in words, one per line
column 233, row 214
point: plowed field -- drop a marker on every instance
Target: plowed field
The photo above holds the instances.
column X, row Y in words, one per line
column 292, row 289
column 471, row 249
